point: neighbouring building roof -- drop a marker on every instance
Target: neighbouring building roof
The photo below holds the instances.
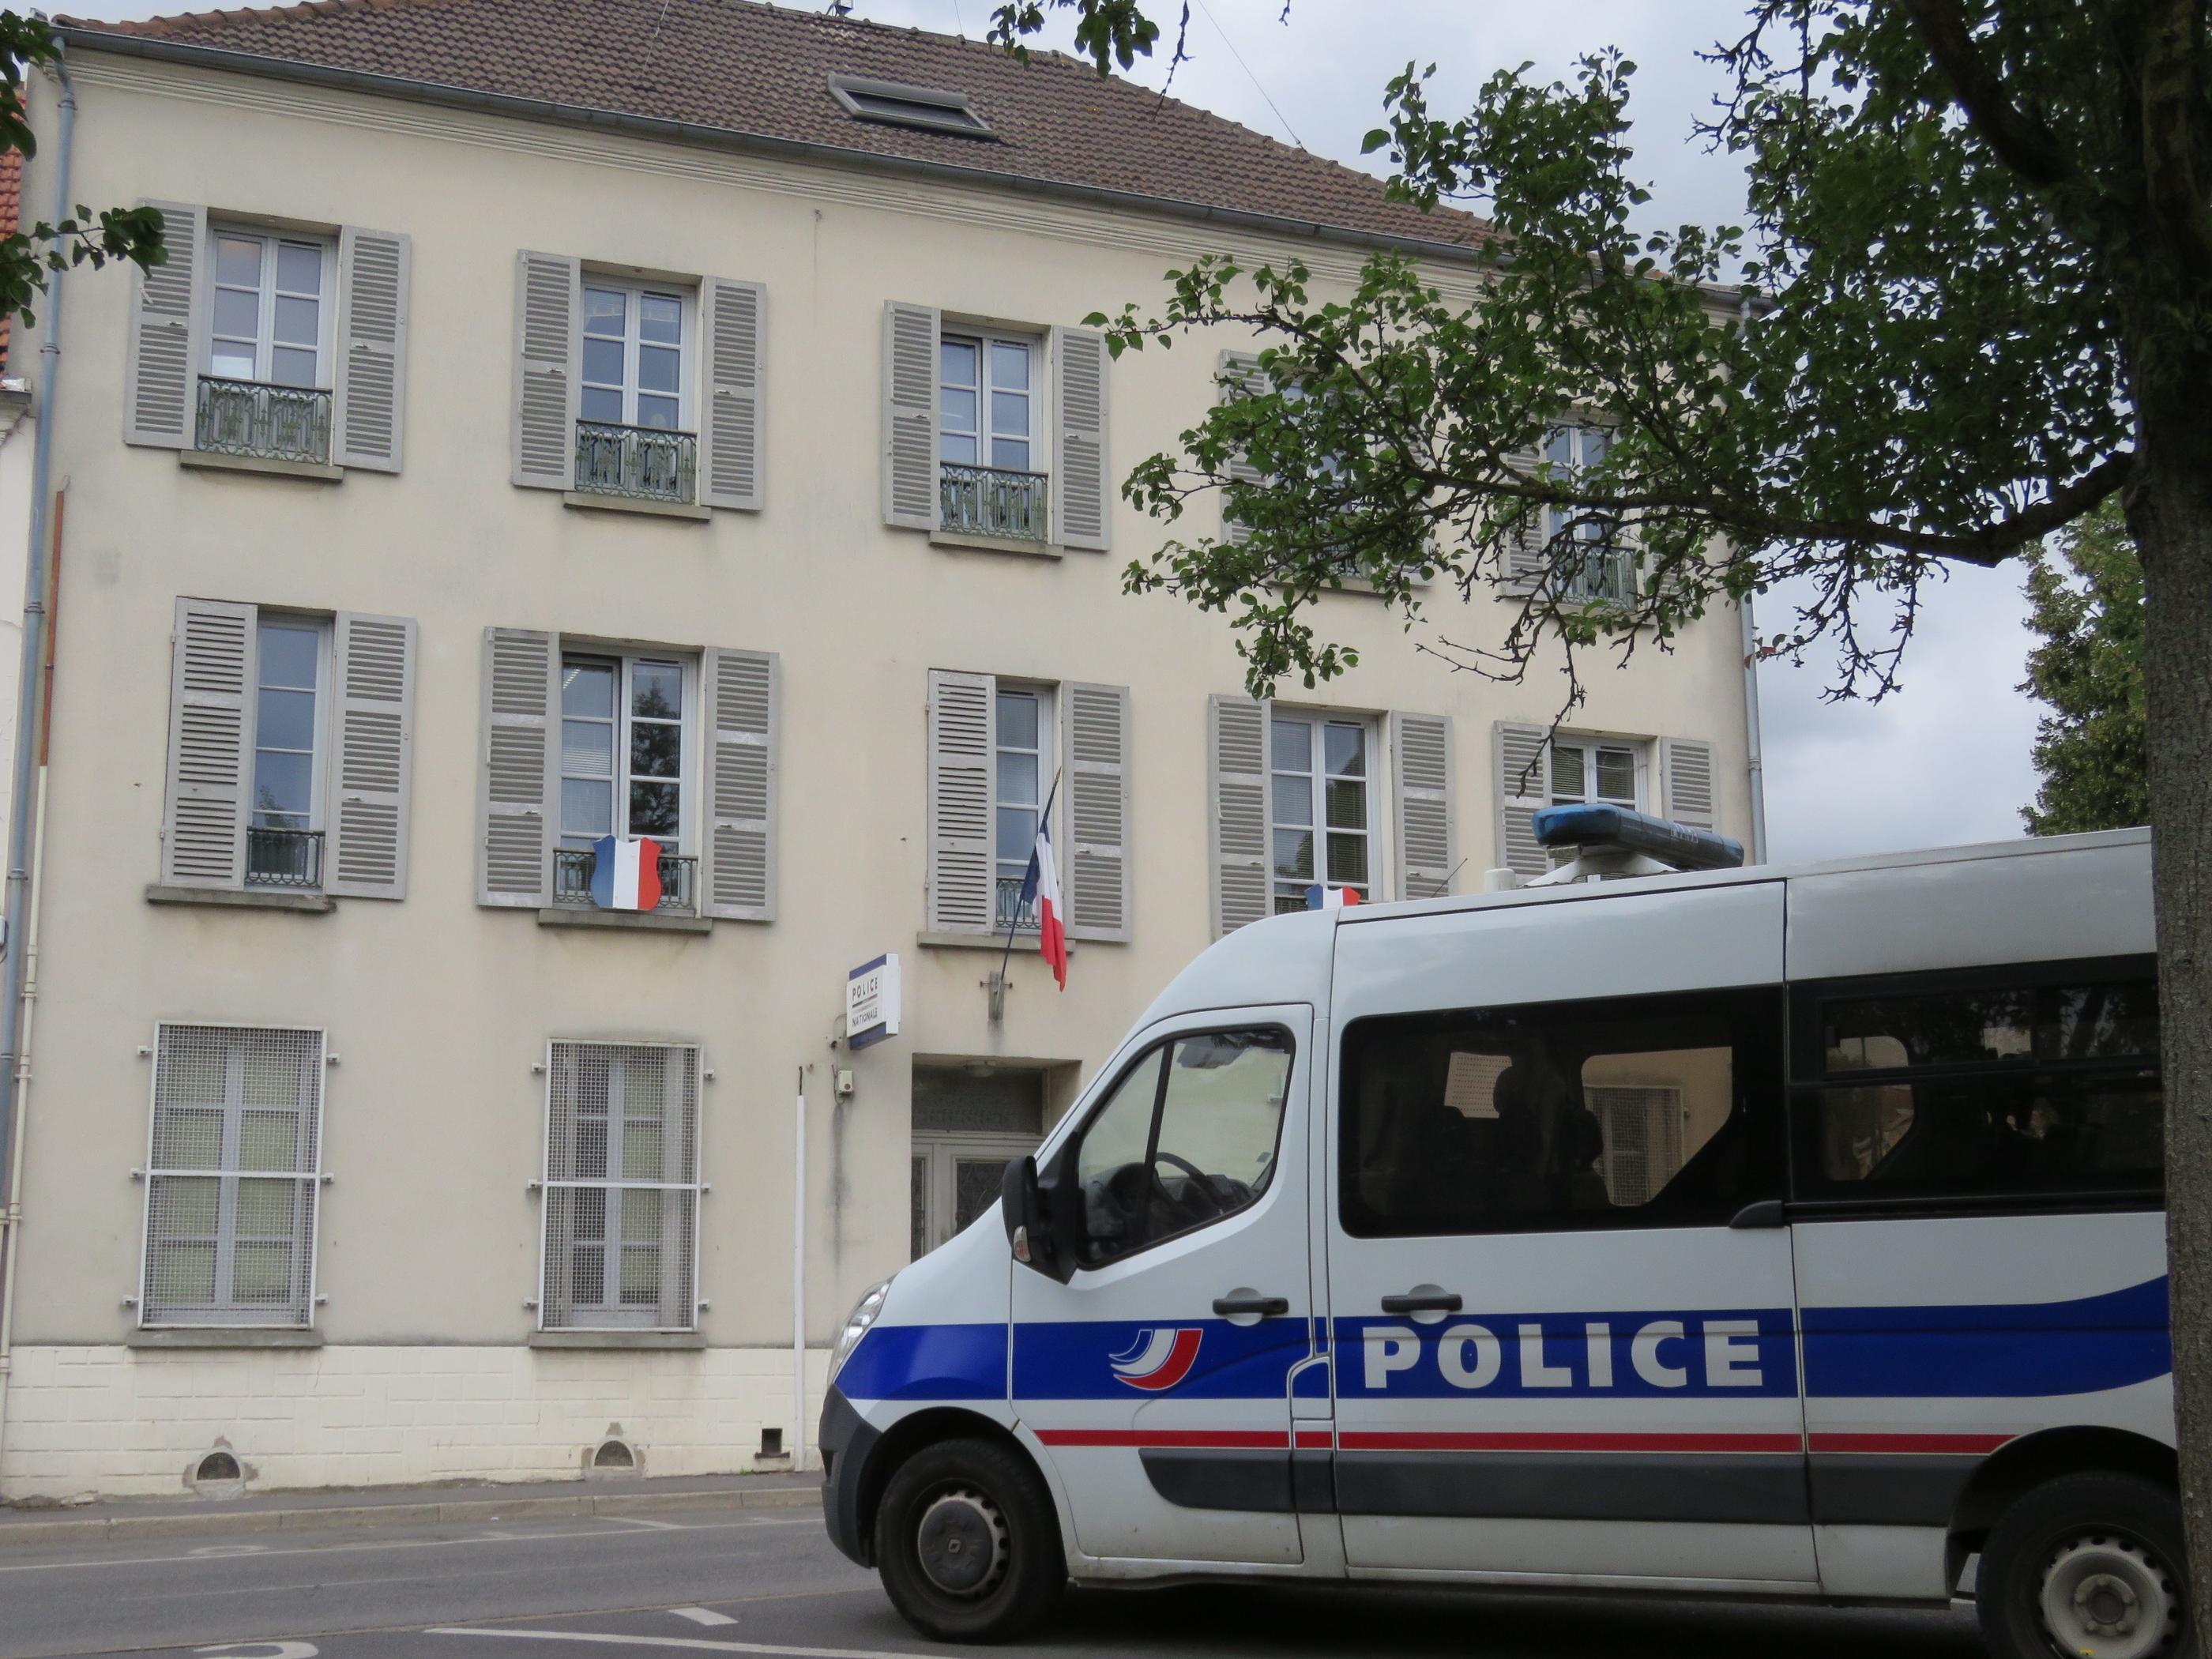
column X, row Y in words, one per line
column 11, row 220
column 764, row 72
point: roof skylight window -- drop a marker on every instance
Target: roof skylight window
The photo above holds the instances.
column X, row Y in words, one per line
column 899, row 105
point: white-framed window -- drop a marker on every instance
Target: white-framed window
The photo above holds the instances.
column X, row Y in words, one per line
column 1320, row 774
column 292, row 675
column 271, row 307
column 231, row 1172
column 638, row 351
column 1606, row 571
column 621, row 1187
column 988, row 390
column 1024, row 764
column 1593, row 771
column 627, row 767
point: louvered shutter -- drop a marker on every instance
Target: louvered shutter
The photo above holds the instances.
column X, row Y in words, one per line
column 1238, row 374
column 162, row 362
column 962, row 720
column 1525, row 549
column 1082, row 503
column 1686, row 768
column 733, row 324
column 1236, row 762
column 369, row 406
column 741, row 701
column 1096, row 740
column 522, row 674
column 210, row 746
column 910, row 416
column 1421, row 765
column 548, row 293
column 372, row 759
column 1523, row 781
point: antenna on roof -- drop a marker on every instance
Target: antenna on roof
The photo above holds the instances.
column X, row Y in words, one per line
column 839, row 8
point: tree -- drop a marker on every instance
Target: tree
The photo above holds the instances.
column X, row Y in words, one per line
column 2087, row 599
column 1979, row 306
column 30, row 254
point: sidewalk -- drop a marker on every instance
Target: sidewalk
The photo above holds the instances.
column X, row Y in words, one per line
column 387, row 1506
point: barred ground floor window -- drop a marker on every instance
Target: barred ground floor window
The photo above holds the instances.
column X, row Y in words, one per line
column 621, row 1187
column 231, row 1170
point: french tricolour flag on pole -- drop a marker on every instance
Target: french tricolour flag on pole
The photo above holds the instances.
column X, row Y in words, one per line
column 1326, row 895
column 625, row 873
column 1041, row 888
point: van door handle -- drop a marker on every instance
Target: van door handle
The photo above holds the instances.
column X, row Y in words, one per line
column 1436, row 1302
column 1228, row 1306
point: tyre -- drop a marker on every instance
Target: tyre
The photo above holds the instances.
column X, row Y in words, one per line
column 2087, row 1566
column 967, row 1544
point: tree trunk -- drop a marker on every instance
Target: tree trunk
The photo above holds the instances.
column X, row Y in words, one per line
column 2170, row 513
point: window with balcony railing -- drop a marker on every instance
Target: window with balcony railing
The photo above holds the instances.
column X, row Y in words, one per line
column 632, row 409
column 573, row 868
column 264, row 384
column 642, row 463
column 987, row 438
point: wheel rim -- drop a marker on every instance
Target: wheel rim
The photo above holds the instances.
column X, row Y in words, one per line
column 961, row 1543
column 2105, row 1594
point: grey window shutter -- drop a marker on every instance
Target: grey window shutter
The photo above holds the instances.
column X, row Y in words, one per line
column 733, row 324
column 910, row 416
column 161, row 361
column 1524, row 550
column 373, row 756
column 1082, row 498
column 548, row 294
column 1236, row 762
column 210, row 746
column 514, row 829
column 742, row 695
column 369, row 407
column 1238, row 374
column 1523, row 782
column 1421, row 765
column 963, row 737
column 1686, row 769
column 1095, row 725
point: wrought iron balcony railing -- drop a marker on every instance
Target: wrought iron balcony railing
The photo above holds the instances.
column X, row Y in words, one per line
column 573, row 868
column 249, row 417
column 993, row 501
column 1011, row 912
column 283, row 858
column 1603, row 573
column 647, row 463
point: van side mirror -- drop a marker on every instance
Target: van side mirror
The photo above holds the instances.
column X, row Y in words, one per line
column 1039, row 1234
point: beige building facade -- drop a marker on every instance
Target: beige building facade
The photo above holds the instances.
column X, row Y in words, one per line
column 482, row 478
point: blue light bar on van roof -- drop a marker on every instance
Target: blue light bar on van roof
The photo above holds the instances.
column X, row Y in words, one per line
column 1671, row 844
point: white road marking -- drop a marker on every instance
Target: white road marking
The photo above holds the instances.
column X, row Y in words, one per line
column 261, row 1651
column 209, row 1552
column 693, row 1644
column 639, row 1521
column 702, row 1615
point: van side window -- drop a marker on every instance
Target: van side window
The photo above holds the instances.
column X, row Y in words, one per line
column 1629, row 1111
column 1187, row 1137
column 2020, row 1084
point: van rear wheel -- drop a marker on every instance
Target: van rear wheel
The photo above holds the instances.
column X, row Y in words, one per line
column 967, row 1543
column 2087, row 1566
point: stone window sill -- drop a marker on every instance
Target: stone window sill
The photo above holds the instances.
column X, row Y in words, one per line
column 995, row 544
column 208, row 460
column 592, row 503
column 243, row 898
column 644, row 1339
column 1022, row 942
column 647, row 921
column 227, row 1336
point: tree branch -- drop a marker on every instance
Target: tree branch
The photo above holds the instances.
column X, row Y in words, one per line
column 2172, row 100
column 2020, row 141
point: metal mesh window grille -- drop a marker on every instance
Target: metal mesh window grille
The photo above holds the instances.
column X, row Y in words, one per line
column 621, row 1187
column 1643, row 1130
column 231, row 1176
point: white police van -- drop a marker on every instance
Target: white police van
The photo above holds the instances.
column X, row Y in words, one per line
column 1756, row 1232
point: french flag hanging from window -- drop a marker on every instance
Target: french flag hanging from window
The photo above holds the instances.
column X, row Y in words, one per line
column 626, row 872
column 1328, row 896
column 1041, row 896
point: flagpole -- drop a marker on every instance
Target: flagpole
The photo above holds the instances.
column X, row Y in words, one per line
column 1044, row 819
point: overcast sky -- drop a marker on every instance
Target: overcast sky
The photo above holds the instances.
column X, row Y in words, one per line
column 1945, row 760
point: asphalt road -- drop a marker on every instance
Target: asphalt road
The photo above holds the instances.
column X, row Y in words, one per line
column 745, row 1582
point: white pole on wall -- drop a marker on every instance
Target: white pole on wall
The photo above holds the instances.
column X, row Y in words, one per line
column 798, row 1280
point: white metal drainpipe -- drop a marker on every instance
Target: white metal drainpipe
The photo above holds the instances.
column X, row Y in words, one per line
column 1755, row 762
column 23, row 808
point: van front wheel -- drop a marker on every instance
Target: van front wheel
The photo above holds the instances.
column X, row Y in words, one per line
column 967, row 1543
column 2087, row 1566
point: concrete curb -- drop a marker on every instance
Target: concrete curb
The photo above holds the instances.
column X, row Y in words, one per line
column 122, row 1529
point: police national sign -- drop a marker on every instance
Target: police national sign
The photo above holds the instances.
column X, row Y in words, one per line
column 872, row 1002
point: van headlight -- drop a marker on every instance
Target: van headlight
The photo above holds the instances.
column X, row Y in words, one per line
column 856, row 1325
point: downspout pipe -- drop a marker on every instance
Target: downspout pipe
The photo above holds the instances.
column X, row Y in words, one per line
column 1754, row 759
column 30, row 683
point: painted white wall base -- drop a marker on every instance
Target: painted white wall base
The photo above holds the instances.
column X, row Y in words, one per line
column 109, row 1421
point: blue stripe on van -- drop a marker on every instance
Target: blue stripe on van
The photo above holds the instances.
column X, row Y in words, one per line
column 2010, row 1351
column 928, row 1362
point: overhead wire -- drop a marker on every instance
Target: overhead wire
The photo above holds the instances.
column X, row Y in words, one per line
column 1208, row 12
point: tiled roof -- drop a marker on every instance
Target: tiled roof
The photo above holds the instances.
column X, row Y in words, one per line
column 763, row 70
column 11, row 220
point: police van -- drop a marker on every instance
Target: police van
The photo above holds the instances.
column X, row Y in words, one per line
column 1743, row 1233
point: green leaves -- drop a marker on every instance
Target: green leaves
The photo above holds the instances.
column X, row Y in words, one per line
column 2086, row 599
